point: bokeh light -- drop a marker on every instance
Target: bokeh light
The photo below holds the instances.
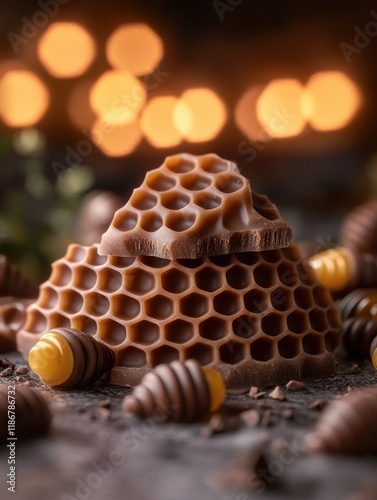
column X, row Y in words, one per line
column 24, row 98
column 199, row 115
column 116, row 140
column 135, row 48
column 279, row 108
column 330, row 100
column 157, row 123
column 66, row 50
column 245, row 113
column 78, row 106
column 117, row 97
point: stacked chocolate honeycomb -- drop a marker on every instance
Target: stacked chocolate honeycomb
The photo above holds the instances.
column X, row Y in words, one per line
column 257, row 314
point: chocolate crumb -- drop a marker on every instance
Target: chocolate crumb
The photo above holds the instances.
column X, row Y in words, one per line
column 265, row 421
column 318, row 404
column 20, row 379
column 104, row 403
column 255, row 393
column 287, row 413
column 4, row 362
column 22, row 370
column 295, row 385
column 277, row 394
column 353, row 369
column 7, row 372
column 250, row 417
column 219, row 424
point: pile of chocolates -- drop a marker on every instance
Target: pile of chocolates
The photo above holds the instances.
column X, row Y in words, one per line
column 195, row 266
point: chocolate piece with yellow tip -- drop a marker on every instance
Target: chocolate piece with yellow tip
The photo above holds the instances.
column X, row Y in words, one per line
column 65, row 357
column 359, row 335
column 178, row 392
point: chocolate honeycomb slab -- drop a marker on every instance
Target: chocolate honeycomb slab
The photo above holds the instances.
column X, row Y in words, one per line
column 260, row 318
column 194, row 206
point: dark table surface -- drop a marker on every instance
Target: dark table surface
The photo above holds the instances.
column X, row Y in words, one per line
column 95, row 450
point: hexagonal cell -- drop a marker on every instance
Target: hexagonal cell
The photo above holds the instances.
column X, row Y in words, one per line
column 201, row 352
column 213, row 329
column 303, row 297
column 321, row 296
column 48, row 298
column 142, row 200
column 190, row 263
column 163, row 354
column 248, row 258
column 85, row 324
column 175, row 281
column 297, row 322
column 238, row 277
column 263, row 206
column 138, row 281
column 331, row 341
column 159, row 307
column 333, row 317
column 121, row 262
column 291, row 253
column 70, row 301
column 144, row 332
column 131, row 357
column 174, row 201
column 57, row 320
column 264, row 275
column 96, row 304
column 227, row 303
column 228, row 183
column 221, row 260
column 75, row 253
column 245, row 326
column 318, row 320
column 287, row 273
column 281, row 298
column 93, row 259
column 151, row 222
column 212, row 164
column 61, row 274
column 289, row 347
column 159, row 182
column 195, row 182
column 111, row 332
column 125, row 220
column 36, row 322
column 272, row 256
column 305, row 273
column 207, row 201
column 232, row 352
column 180, row 221
column 256, row 301
column 194, row 305
column 125, row 307
column 233, row 216
column 179, row 165
column 154, row 262
column 179, row 331
column 109, row 280
column 262, row 349
column 273, row 324
column 208, row 279
column 84, row 278
column 313, row 344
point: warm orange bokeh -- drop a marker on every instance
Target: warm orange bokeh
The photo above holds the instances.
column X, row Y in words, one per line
column 330, row 101
column 157, row 122
column 116, row 140
column 78, row 107
column 66, row 50
column 199, row 115
column 135, row 48
column 117, row 97
column 245, row 113
column 279, row 108
column 24, row 98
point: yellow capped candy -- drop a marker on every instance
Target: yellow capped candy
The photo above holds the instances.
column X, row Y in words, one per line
column 333, row 268
column 216, row 387
column 51, row 359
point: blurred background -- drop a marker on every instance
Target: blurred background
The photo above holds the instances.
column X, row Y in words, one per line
column 93, row 94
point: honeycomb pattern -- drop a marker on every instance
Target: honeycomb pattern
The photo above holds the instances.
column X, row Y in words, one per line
column 259, row 318
column 194, row 206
